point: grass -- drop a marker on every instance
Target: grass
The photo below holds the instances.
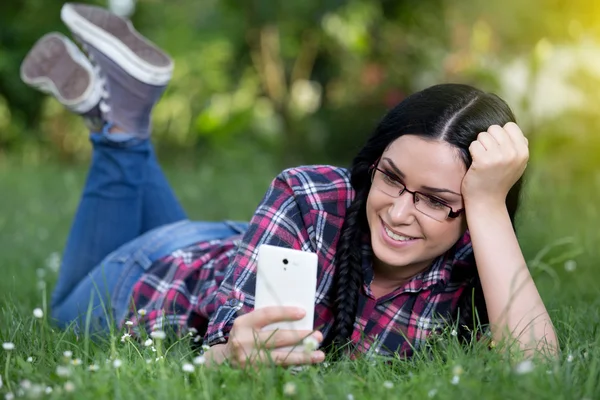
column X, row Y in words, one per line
column 557, row 224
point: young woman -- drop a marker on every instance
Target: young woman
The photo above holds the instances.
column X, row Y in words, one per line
column 418, row 233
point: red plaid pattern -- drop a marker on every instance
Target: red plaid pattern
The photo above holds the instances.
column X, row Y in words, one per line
column 304, row 208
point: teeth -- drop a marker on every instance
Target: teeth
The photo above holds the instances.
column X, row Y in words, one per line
column 396, row 237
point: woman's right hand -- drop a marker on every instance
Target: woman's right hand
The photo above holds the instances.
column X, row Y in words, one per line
column 249, row 345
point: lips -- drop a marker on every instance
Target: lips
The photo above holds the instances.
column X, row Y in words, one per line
column 396, row 237
column 399, row 236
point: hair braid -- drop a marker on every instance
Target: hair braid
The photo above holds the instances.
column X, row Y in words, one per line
column 348, row 277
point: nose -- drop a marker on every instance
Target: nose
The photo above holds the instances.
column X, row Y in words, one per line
column 402, row 209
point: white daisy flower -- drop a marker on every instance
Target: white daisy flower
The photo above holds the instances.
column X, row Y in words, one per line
column 148, row 361
column 570, row 265
column 69, row 387
column 188, row 368
column 38, row 313
column 25, row 384
column 148, row 342
column 193, row 330
column 457, row 370
column 125, row 337
column 8, row 346
column 350, row 396
column 142, row 312
column 53, row 262
column 158, row 335
column 9, row 396
column 310, row 344
column 200, row 360
column 76, row 361
column 388, row 384
column 455, row 380
column 35, row 391
column 431, row 394
column 29, row 359
column 93, row 368
column 454, row 333
column 129, row 323
column 1, row 382
column 524, row 367
column 153, row 349
column 570, row 358
column 289, row 389
column 205, row 347
column 68, row 354
column 63, row 371
column 117, row 363
column 48, row 390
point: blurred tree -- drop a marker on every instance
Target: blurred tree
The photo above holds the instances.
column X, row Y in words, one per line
column 307, row 80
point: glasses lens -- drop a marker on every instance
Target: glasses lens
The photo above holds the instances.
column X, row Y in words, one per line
column 431, row 207
column 424, row 204
column 386, row 184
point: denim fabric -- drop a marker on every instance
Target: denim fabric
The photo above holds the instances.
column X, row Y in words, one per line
column 125, row 196
column 106, row 291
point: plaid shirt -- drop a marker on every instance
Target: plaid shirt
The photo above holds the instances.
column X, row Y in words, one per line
column 207, row 285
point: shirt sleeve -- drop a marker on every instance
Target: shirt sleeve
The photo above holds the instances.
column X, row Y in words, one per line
column 278, row 221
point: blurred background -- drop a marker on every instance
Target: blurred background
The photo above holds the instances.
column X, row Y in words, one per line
column 262, row 85
column 306, row 81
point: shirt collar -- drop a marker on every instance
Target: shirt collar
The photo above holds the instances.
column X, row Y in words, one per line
column 438, row 274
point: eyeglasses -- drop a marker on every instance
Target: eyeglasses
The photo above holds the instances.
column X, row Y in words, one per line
column 425, row 204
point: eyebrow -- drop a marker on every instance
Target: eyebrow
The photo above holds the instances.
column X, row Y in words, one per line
column 429, row 188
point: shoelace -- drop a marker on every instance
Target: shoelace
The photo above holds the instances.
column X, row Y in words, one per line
column 105, row 96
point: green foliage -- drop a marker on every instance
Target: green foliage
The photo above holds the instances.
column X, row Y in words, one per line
column 312, row 76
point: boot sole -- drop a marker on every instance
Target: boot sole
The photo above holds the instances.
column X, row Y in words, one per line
column 118, row 40
column 55, row 65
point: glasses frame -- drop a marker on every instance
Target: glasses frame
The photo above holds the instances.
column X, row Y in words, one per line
column 451, row 214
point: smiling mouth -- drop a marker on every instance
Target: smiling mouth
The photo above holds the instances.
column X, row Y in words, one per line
column 393, row 235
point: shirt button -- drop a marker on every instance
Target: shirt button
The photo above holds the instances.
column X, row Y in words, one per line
column 233, row 302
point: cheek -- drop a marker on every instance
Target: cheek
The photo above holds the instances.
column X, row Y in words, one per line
column 375, row 202
column 443, row 236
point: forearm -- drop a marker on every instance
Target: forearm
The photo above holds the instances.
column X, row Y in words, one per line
column 515, row 308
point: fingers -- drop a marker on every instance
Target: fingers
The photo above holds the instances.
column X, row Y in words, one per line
column 507, row 139
column 520, row 142
column 288, row 358
column 500, row 135
column 260, row 318
column 284, row 358
column 260, row 353
column 515, row 134
column 283, row 338
column 487, row 141
column 477, row 150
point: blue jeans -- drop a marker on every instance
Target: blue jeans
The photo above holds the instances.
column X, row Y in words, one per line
column 128, row 217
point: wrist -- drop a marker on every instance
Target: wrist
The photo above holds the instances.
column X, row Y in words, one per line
column 485, row 206
column 489, row 202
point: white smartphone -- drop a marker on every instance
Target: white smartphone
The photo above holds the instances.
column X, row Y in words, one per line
column 287, row 277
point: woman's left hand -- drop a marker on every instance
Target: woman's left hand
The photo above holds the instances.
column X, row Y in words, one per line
column 500, row 157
